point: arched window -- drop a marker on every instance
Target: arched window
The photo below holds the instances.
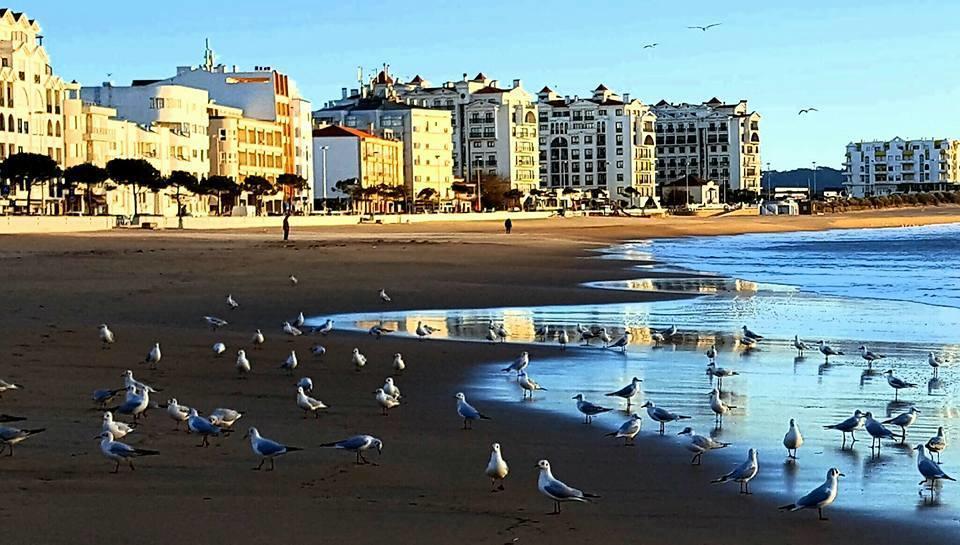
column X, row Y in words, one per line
column 10, row 122
column 755, row 137
column 531, row 118
column 3, row 123
column 49, row 128
column 648, row 141
column 58, row 133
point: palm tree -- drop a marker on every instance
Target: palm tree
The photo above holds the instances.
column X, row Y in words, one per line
column 88, row 175
column 133, row 172
column 258, row 186
column 30, row 169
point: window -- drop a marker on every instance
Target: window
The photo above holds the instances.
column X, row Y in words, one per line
column 476, row 144
column 491, row 144
column 588, row 139
column 619, row 164
column 223, row 135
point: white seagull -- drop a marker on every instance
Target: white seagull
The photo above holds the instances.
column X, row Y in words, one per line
column 385, row 400
column 628, row 430
column 800, row 345
column 819, row 497
column 179, row 413
column 424, row 330
column 379, row 331
column 719, row 407
column 117, row 451
column 390, row 388
column 622, row 342
column 661, row 415
column 290, row 363
column 358, row 359
column 556, row 490
column 298, row 321
column 937, row 443
column 309, row 404
column 358, row 444
column 849, row 425
column 231, row 302
column 118, row 429
column 267, row 449
column 398, row 363
column 225, row 418
column 897, row 384
column 318, row 350
column 214, row 322
column 589, row 410
column 743, row 473
column 869, row 356
column 711, row 353
column 934, row 361
column 306, row 383
column 492, row 334
column 384, row 297
column 257, row 339
column 497, row 468
column 219, row 348
column 827, row 351
column 628, row 392
column 291, row 330
column 129, row 381
column 519, row 364
column 243, row 364
column 293, row 280
column 563, row 338
column 751, row 334
column 327, row 327
column 699, row 444
column 529, row 385
column 793, row 440
column 720, row 373
column 502, row 333
column 106, row 336
column 203, row 427
column 467, row 412
column 153, row 356
column 877, row 431
column 903, row 421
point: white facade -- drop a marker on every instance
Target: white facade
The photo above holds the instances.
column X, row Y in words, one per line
column 342, row 163
column 604, row 142
column 896, row 166
column 712, row 140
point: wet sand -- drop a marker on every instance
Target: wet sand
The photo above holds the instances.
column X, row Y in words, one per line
column 429, row 485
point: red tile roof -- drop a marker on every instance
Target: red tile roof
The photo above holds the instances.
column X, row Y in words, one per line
column 479, row 77
column 546, row 89
column 341, row 131
column 601, row 87
column 490, row 90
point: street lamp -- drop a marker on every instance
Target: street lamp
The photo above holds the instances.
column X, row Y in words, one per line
column 814, row 181
column 323, row 152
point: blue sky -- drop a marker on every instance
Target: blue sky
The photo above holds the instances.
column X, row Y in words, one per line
column 874, row 69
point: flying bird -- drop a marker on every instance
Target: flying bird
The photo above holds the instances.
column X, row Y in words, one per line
column 651, row 46
column 704, row 28
column 807, row 110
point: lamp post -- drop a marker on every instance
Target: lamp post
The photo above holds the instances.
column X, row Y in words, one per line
column 812, row 195
column 323, row 152
column 769, row 180
column 439, row 176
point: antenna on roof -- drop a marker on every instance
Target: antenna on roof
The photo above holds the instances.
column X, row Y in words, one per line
column 207, row 55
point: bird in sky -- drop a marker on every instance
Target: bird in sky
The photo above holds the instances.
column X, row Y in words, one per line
column 807, row 110
column 704, row 28
column 651, row 46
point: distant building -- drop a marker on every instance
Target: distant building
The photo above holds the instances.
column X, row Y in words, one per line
column 897, row 166
column 367, row 159
column 242, row 146
column 692, row 191
column 795, row 193
column 602, row 142
column 712, row 140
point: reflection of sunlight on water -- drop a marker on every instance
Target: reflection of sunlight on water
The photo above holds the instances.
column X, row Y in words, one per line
column 692, row 286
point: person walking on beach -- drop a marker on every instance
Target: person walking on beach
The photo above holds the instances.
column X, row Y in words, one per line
column 508, row 226
column 286, row 226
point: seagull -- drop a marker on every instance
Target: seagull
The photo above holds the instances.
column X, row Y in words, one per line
column 588, row 409
column 807, row 110
column 385, row 400
column 628, row 430
column 289, row 329
column 424, row 331
column 519, row 364
column 225, row 418
column 657, row 338
column 528, row 384
column 743, row 473
column 628, row 392
column 219, row 348
column 711, row 353
column 605, row 337
column 556, row 490
column 699, row 444
column 849, row 425
column 214, row 322
column 10, row 436
column 751, row 334
column 704, row 28
column 622, row 342
column 390, row 388
column 651, row 46
column 502, row 333
column 257, row 339
column 563, row 338
column 179, row 413
column 496, row 468
column 720, row 373
column 306, row 383
column 118, row 429
column 869, row 356
column 104, row 396
column 718, row 407
column 309, row 404
column 203, row 426
column 935, row 362
column 243, row 364
column 467, row 412
column 358, row 359
column 129, row 381
column 290, row 363
column 897, row 384
column 135, row 404
column 587, row 336
column 153, row 356
column 827, row 351
column 318, row 350
column 661, row 415
column 542, row 333
column 930, row 470
column 298, row 321
column 4, row 386
column 793, row 440
column 384, row 297
column 903, row 421
column 106, row 336
column 800, row 345
column 327, row 327
column 379, row 331
column 937, row 443
column 492, row 334
column 669, row 333
column 117, row 451
column 231, row 302
column 267, row 448
column 358, row 444
column 877, row 431
column 749, row 342
column 398, row 363
column 293, row 280
column 819, row 497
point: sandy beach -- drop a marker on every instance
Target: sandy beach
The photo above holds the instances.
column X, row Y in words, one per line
column 428, row 486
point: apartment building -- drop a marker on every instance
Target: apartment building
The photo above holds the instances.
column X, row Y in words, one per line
column 899, row 165
column 371, row 161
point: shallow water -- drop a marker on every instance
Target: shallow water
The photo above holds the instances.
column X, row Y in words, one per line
column 894, row 290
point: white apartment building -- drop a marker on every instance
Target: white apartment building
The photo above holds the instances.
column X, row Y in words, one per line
column 713, row 140
column 602, row 142
column 898, row 166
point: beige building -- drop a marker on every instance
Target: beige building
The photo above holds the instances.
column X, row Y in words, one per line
column 899, row 165
column 376, row 163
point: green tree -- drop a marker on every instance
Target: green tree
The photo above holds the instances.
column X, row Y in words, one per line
column 220, row 185
column 133, row 172
column 88, row 175
column 259, row 187
column 29, row 169
column 183, row 181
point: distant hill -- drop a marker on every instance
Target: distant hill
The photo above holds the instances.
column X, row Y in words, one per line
column 802, row 177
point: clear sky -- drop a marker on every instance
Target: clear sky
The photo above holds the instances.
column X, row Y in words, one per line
column 874, row 69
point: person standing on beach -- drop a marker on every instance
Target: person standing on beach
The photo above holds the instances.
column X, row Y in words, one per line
column 508, row 226
column 286, row 226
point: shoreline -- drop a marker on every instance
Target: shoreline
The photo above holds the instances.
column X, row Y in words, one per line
column 156, row 286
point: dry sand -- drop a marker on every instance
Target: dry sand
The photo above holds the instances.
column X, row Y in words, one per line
column 429, row 485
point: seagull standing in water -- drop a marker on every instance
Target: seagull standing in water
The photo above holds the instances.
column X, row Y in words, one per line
column 379, row 331
column 424, row 331
column 800, row 345
column 869, row 356
column 820, row 497
column 897, row 384
column 751, row 334
column 605, row 337
column 589, row 410
column 358, row 444
column 904, row 420
column 937, row 443
column 628, row 430
column 657, row 338
column 467, row 412
column 519, row 364
column 267, row 449
column 661, row 415
column 556, row 490
column 153, row 356
column 299, row 320
column 827, row 351
column 720, row 373
column 743, row 473
column 628, row 392
column 718, row 407
column 117, row 451
column 934, row 361
column 622, row 342
column 529, row 385
column 700, row 444
column 563, row 338
column 502, row 333
column 106, row 336
column 497, row 468
column 930, row 470
column 878, row 432
column 793, row 440
column 711, row 353
column 492, row 334
column 849, row 425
